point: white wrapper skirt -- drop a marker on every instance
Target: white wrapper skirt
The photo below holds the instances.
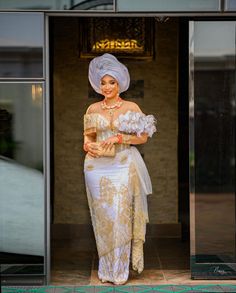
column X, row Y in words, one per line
column 117, row 189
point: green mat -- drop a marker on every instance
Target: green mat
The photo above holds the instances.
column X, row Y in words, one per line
column 120, row 289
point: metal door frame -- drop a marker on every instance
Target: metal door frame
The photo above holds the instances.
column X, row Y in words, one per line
column 47, row 105
column 220, row 272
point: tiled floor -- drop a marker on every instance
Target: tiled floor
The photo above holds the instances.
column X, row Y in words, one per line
column 166, row 263
column 122, row 289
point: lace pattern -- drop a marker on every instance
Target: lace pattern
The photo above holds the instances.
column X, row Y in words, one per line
column 130, row 122
column 92, row 123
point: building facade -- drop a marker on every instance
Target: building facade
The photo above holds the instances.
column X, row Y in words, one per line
column 181, row 57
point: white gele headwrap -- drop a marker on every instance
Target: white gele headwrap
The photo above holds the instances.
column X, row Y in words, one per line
column 108, row 64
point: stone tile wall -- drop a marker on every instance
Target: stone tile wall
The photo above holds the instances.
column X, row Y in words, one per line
column 70, row 83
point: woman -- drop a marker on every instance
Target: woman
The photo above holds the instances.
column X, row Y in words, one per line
column 116, row 178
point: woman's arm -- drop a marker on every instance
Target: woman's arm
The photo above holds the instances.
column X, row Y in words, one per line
column 124, row 138
column 90, row 136
column 89, row 145
column 134, row 139
column 127, row 138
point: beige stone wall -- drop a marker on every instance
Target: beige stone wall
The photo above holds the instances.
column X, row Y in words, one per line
column 70, row 101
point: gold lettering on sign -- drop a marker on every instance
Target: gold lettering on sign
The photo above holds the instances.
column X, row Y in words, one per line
column 119, row 44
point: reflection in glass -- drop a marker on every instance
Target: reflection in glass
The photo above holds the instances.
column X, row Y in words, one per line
column 21, row 178
column 212, row 148
column 168, row 5
column 230, row 5
column 57, row 5
column 21, row 45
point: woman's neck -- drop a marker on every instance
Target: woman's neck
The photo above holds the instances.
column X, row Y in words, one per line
column 112, row 101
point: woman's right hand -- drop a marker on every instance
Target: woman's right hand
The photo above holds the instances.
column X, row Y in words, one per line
column 92, row 149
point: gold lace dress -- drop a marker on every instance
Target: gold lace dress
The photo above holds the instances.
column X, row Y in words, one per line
column 117, row 189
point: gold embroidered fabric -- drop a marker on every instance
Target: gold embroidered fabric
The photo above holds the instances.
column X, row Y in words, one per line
column 112, row 232
column 114, row 266
column 139, row 221
column 126, row 138
column 115, row 196
column 90, row 123
column 129, row 221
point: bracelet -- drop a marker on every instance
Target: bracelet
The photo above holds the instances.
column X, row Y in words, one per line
column 120, row 138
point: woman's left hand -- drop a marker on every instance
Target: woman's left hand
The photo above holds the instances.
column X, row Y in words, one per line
column 108, row 143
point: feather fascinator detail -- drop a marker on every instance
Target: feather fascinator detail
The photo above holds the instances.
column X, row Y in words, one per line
column 137, row 122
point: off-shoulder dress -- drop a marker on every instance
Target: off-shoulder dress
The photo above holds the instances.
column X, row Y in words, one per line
column 117, row 189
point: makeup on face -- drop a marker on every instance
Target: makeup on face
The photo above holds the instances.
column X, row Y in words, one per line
column 109, row 87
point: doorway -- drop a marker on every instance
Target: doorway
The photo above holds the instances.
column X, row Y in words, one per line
column 155, row 86
column 24, row 99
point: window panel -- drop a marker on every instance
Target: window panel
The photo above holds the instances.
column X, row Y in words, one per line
column 57, row 5
column 21, row 45
column 230, row 5
column 168, row 5
column 212, row 149
column 22, row 223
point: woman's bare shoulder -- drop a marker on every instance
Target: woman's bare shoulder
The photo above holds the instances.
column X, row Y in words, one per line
column 93, row 108
column 132, row 106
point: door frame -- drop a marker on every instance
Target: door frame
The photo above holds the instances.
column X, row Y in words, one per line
column 48, row 111
column 218, row 271
column 48, row 144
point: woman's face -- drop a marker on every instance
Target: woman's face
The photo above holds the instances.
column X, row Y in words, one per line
column 109, row 87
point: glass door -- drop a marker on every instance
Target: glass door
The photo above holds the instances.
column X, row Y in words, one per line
column 212, row 149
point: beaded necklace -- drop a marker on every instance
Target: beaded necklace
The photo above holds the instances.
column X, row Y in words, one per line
column 112, row 109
